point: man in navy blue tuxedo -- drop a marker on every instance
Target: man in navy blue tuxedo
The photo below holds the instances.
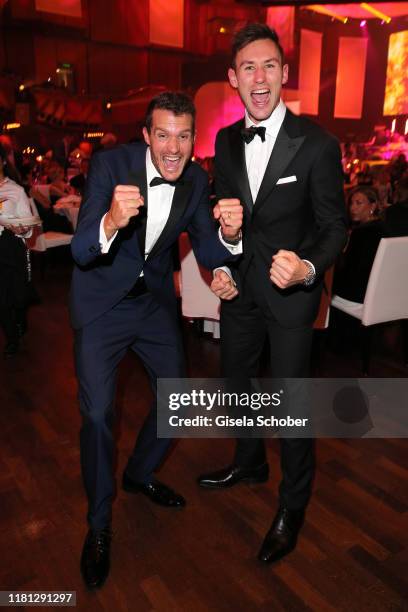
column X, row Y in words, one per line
column 138, row 200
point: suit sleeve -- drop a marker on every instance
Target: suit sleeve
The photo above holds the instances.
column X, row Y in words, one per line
column 327, row 197
column 85, row 245
column 223, row 188
column 203, row 232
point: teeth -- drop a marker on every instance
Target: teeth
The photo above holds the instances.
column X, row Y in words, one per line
column 260, row 91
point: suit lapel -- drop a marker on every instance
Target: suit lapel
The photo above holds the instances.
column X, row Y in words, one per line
column 283, row 152
column 238, row 160
column 178, row 206
column 139, row 223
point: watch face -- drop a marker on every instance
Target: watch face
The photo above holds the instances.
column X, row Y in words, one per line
column 310, row 276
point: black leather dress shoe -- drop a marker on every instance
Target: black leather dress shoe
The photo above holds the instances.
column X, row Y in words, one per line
column 156, row 491
column 95, row 559
column 282, row 536
column 231, row 475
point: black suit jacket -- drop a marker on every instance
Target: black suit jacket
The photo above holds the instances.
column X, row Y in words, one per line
column 354, row 266
column 305, row 215
column 99, row 281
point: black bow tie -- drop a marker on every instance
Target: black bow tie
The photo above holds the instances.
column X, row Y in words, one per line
column 158, row 180
column 248, row 134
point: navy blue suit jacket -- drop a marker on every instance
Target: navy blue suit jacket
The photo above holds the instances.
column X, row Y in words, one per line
column 99, row 281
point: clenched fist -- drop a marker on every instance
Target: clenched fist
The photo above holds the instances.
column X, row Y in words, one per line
column 229, row 213
column 223, row 286
column 126, row 202
column 287, row 269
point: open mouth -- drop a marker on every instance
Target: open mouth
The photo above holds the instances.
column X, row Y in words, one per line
column 171, row 162
column 260, row 97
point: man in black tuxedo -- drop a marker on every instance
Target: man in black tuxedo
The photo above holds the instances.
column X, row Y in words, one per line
column 287, row 173
column 138, row 200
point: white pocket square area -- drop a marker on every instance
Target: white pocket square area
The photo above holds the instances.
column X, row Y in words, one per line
column 286, row 179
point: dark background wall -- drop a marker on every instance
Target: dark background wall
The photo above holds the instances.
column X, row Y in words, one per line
column 109, row 50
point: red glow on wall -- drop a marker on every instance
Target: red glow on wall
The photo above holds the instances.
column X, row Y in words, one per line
column 68, row 8
column 167, row 22
column 351, row 61
column 217, row 105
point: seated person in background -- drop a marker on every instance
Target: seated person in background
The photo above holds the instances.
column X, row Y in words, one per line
column 58, row 186
column 396, row 216
column 14, row 285
column 354, row 265
column 398, row 168
column 382, row 184
column 52, row 221
column 78, row 182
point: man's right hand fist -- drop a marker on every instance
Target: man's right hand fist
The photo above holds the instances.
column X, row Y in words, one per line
column 125, row 204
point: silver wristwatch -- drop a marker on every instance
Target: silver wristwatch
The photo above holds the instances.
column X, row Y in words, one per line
column 311, row 274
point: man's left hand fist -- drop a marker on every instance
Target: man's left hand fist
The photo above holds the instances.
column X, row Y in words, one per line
column 229, row 213
column 287, row 269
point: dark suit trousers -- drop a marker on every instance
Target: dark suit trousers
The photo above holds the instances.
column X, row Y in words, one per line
column 147, row 328
column 245, row 324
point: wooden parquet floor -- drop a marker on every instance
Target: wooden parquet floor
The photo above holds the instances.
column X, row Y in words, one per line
column 352, row 553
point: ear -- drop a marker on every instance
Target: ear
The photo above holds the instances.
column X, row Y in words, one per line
column 146, row 136
column 232, row 78
column 285, row 73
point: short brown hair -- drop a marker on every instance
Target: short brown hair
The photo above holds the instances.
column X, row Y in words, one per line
column 177, row 102
column 252, row 32
column 370, row 193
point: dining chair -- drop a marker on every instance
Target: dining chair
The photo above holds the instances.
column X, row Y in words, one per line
column 386, row 297
column 197, row 299
column 45, row 241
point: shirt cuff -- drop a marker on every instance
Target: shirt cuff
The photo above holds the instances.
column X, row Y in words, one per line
column 309, row 262
column 227, row 271
column 104, row 242
column 234, row 249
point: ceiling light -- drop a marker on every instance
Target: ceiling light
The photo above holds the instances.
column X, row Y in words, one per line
column 375, row 12
column 325, row 11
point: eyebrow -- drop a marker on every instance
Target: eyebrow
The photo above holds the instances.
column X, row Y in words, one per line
column 161, row 129
column 270, row 59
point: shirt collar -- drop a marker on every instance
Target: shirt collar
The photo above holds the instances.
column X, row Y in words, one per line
column 273, row 122
column 151, row 171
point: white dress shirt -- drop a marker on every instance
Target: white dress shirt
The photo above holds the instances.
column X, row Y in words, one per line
column 160, row 200
column 13, row 203
column 257, row 153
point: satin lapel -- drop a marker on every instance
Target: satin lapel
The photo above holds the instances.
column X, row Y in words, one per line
column 178, row 206
column 139, row 223
column 283, row 152
column 237, row 148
